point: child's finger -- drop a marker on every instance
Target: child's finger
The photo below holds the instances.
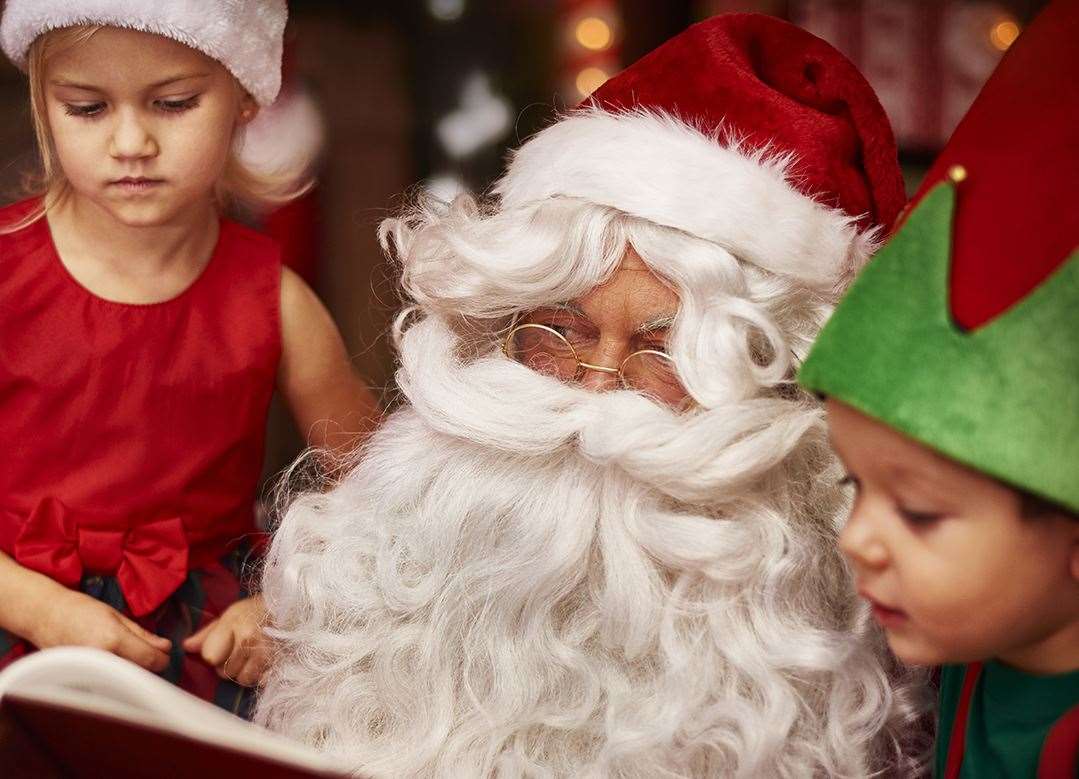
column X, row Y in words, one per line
column 217, row 645
column 193, row 643
column 154, row 640
column 252, row 671
column 133, row 648
column 234, row 663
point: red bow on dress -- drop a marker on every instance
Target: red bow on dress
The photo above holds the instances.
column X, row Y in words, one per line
column 149, row 559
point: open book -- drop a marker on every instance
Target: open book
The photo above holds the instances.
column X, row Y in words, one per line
column 78, row 712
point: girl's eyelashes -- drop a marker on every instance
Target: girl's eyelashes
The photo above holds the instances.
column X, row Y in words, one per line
column 84, row 110
column 93, row 110
column 178, row 106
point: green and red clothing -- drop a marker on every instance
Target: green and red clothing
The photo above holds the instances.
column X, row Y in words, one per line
column 1009, row 716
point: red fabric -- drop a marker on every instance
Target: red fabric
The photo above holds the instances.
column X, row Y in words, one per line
column 957, row 744
column 295, row 227
column 149, row 558
column 133, row 434
column 1017, row 216
column 776, row 86
column 1060, row 754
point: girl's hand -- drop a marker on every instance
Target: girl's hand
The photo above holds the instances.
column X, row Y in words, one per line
column 234, row 643
column 72, row 618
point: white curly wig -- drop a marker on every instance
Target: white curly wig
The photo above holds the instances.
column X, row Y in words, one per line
column 518, row 577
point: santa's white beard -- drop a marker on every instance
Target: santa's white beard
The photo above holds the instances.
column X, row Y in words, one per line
column 522, row 578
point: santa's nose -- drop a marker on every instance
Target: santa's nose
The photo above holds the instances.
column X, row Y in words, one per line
column 598, row 378
column 600, row 364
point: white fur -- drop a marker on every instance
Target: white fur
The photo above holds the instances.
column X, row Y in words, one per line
column 286, row 137
column 519, row 577
column 246, row 36
column 657, row 167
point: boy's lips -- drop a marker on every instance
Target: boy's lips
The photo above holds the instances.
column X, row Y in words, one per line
column 887, row 616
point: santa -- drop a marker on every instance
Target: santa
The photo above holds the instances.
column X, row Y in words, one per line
column 599, row 536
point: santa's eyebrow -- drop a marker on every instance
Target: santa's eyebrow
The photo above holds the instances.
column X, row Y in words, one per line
column 572, row 308
column 659, row 323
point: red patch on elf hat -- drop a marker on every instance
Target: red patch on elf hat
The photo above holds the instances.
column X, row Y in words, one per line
column 1019, row 148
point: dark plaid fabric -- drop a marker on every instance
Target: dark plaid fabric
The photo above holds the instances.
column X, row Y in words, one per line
column 203, row 596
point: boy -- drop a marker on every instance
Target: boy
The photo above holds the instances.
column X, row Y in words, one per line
column 952, row 377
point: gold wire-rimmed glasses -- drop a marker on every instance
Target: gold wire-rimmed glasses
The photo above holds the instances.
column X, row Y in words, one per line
column 545, row 350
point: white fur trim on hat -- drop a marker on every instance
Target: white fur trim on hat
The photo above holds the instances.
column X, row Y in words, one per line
column 285, row 138
column 246, row 36
column 656, row 167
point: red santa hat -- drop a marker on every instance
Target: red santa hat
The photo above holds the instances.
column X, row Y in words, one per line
column 743, row 130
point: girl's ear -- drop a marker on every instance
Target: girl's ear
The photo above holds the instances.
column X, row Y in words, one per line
column 249, row 109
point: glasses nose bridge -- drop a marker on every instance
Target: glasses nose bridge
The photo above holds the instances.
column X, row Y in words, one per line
column 594, row 375
column 589, row 372
column 587, row 366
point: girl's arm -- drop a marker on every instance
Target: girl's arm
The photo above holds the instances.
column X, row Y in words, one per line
column 333, row 408
column 45, row 613
column 22, row 594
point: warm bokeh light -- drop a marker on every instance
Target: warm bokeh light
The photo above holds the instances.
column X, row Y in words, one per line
column 446, row 10
column 594, row 33
column 1004, row 34
column 591, row 79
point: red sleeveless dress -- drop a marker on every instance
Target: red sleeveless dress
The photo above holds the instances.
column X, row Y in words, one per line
column 132, row 435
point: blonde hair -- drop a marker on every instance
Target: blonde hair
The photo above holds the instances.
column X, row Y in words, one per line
column 238, row 185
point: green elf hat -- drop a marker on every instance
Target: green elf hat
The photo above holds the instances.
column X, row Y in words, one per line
column 963, row 331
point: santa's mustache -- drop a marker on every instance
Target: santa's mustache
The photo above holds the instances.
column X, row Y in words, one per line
column 695, row 456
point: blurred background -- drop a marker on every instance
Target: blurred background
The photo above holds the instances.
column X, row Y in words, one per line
column 384, row 96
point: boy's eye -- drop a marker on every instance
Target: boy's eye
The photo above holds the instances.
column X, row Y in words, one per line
column 919, row 518
column 84, row 109
column 850, row 480
column 178, row 106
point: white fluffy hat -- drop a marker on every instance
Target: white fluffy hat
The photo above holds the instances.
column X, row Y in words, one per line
column 246, row 36
column 743, row 130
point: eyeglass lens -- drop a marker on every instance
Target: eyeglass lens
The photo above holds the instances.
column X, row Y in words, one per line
column 544, row 350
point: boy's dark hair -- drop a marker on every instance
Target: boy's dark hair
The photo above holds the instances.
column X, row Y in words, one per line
column 1033, row 506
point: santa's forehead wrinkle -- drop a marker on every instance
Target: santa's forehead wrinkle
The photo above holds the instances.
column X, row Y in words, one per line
column 632, row 299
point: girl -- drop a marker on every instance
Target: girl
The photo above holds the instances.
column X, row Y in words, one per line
column 142, row 336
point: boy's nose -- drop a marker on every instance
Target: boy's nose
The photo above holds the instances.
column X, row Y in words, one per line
column 861, row 544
